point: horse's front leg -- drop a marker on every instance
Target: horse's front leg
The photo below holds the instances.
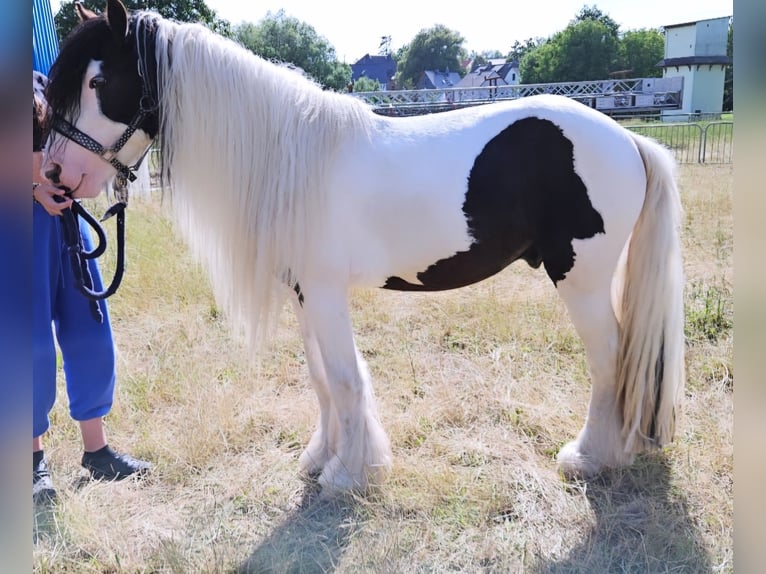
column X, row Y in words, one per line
column 357, row 448
column 325, row 438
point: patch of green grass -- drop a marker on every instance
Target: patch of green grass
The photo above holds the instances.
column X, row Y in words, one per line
column 708, row 313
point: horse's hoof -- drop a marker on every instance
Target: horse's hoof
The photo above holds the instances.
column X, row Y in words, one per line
column 335, row 478
column 312, row 462
column 575, row 465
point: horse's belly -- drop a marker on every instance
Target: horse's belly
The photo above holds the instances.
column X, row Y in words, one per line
column 466, row 268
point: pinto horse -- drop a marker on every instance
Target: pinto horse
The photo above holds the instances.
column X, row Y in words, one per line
column 288, row 191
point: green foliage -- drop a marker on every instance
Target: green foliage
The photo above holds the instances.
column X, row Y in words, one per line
column 588, row 51
column 437, row 48
column 640, row 50
column 283, row 38
column 520, row 49
column 594, row 14
column 584, row 50
column 365, row 84
column 478, row 60
column 181, row 10
column 707, row 315
column 589, row 48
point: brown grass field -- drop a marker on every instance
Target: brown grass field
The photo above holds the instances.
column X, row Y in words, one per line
column 478, row 389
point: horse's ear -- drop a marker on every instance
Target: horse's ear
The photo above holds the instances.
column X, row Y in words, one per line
column 117, row 16
column 83, row 13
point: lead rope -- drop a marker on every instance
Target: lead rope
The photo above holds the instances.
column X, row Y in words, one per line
column 79, row 256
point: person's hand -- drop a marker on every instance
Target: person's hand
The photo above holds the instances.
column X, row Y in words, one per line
column 45, row 194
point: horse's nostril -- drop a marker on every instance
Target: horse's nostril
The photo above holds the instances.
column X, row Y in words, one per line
column 54, row 173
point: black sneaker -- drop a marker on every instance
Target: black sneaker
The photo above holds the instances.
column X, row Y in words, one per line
column 106, row 464
column 42, row 485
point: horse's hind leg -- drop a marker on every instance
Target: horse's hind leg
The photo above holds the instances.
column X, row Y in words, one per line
column 587, row 293
column 360, row 455
column 324, row 440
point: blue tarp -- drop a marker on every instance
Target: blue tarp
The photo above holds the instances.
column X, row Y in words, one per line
column 45, row 44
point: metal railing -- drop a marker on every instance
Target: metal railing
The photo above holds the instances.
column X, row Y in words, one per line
column 693, row 143
column 718, row 143
column 609, row 96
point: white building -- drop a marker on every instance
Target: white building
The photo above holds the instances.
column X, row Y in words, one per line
column 696, row 51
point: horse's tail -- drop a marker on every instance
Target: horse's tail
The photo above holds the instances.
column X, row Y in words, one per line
column 650, row 360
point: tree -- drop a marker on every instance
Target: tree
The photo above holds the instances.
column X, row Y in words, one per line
column 283, row 38
column 478, row 60
column 365, row 84
column 384, row 48
column 437, row 48
column 584, row 50
column 639, row 51
column 593, row 14
column 588, row 51
column 537, row 66
column 520, row 49
column 181, row 10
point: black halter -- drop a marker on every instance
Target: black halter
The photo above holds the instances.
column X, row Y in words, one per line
column 70, row 216
column 109, row 155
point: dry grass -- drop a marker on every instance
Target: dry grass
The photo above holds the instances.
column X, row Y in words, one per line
column 478, row 389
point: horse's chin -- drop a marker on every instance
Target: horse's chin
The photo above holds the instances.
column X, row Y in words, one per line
column 86, row 189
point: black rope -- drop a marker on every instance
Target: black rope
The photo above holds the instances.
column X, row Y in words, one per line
column 79, row 256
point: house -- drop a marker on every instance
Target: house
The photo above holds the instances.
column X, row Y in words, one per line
column 496, row 72
column 696, row 52
column 434, row 79
column 380, row 68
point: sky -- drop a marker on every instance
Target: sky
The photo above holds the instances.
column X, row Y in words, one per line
column 355, row 28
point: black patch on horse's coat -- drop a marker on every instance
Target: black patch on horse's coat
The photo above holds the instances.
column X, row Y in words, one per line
column 299, row 293
column 524, row 201
column 659, row 376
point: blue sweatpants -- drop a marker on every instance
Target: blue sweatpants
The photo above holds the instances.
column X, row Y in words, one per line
column 87, row 346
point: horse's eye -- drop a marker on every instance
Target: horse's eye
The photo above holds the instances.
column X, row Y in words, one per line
column 97, row 82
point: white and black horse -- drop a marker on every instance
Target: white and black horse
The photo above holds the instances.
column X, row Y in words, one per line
column 284, row 189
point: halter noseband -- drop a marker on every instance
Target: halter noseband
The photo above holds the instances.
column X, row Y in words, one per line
column 109, row 155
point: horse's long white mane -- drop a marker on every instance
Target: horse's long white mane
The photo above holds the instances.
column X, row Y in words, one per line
column 246, row 144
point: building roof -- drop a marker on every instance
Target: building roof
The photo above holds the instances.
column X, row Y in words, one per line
column 695, row 61
column 486, row 72
column 380, row 68
column 438, row 79
column 693, row 22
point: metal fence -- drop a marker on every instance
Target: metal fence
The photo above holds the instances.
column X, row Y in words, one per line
column 692, row 142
